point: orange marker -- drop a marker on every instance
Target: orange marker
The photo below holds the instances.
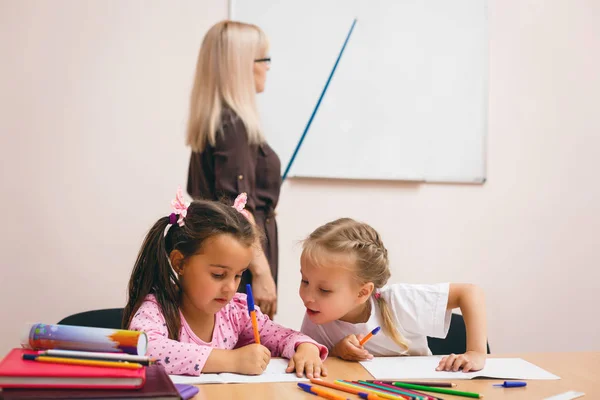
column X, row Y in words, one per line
column 320, row 392
column 335, row 386
column 252, row 313
column 369, row 396
column 370, row 335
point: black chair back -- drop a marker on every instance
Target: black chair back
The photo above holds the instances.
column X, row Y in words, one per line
column 456, row 340
column 108, row 318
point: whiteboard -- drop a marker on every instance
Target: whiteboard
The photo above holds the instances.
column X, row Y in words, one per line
column 408, row 100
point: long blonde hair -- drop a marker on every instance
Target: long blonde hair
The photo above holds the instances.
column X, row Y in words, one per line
column 225, row 78
column 347, row 236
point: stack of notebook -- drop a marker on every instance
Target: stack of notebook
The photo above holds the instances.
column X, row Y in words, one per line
column 24, row 379
column 66, row 362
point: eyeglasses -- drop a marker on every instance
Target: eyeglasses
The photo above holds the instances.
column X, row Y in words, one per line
column 265, row 60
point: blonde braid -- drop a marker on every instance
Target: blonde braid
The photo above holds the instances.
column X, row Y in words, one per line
column 346, row 235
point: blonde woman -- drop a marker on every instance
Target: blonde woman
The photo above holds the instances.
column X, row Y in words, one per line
column 229, row 152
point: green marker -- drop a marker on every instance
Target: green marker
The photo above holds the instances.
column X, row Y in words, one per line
column 438, row 390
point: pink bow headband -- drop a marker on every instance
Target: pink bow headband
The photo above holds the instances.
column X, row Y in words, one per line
column 180, row 207
column 240, row 205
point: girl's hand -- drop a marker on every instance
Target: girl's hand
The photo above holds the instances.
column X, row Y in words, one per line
column 252, row 359
column 349, row 348
column 470, row 361
column 307, row 359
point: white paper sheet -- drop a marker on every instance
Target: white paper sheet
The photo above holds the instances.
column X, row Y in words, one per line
column 570, row 395
column 424, row 368
column 275, row 372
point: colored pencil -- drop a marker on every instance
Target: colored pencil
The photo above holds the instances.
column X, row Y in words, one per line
column 433, row 384
column 380, row 393
column 75, row 361
column 429, row 397
column 404, row 392
column 91, row 355
column 439, row 390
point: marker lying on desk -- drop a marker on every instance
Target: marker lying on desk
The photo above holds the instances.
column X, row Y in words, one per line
column 511, row 384
column 370, row 335
column 368, row 396
column 320, row 392
column 346, row 389
column 252, row 313
column 75, row 361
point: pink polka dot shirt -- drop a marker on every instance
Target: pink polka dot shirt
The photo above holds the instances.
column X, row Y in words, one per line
column 233, row 329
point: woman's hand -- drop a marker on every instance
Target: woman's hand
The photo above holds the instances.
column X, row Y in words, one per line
column 470, row 361
column 265, row 293
column 307, row 359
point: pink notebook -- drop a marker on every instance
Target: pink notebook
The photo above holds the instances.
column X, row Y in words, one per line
column 18, row 373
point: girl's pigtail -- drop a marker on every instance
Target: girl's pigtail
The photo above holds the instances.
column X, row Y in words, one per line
column 152, row 274
column 389, row 325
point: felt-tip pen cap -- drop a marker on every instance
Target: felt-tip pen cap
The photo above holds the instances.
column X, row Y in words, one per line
column 306, row 387
column 250, row 298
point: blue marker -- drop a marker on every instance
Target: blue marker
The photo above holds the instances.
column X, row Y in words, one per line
column 512, row 384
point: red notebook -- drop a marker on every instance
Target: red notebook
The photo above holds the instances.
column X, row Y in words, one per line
column 158, row 387
column 18, row 373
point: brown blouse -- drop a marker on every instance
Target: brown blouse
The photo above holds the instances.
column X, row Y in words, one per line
column 234, row 166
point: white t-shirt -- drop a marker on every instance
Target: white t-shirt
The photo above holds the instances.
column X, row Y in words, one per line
column 420, row 311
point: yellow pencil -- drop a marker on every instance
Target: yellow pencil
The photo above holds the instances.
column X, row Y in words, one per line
column 75, row 361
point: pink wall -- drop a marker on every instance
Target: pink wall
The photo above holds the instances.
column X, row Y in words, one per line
column 94, row 98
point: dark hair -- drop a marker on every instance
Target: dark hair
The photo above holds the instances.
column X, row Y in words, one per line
column 152, row 272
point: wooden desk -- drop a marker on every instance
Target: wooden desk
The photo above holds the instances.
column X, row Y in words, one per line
column 579, row 372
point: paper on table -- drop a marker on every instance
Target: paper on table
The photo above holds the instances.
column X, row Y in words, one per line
column 570, row 395
column 275, row 372
column 424, row 368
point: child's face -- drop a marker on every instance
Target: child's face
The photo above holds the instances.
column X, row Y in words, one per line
column 330, row 291
column 211, row 278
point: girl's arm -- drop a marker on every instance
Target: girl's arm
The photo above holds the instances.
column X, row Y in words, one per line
column 180, row 358
column 305, row 355
column 471, row 301
column 176, row 357
column 281, row 341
